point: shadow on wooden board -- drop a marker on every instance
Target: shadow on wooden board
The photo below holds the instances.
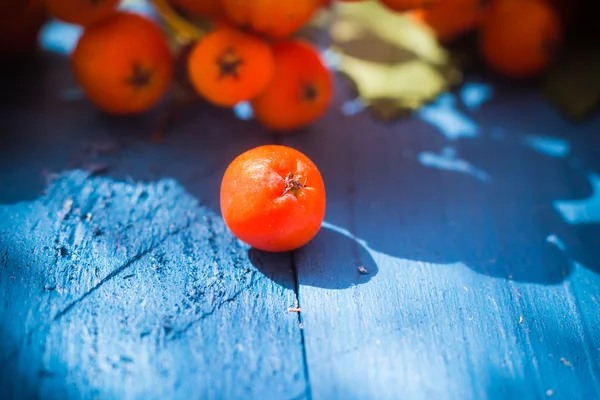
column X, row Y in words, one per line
column 452, row 184
column 349, row 263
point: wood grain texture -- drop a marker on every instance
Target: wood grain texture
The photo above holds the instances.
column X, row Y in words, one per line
column 134, row 291
column 129, row 285
column 468, row 298
column 477, row 286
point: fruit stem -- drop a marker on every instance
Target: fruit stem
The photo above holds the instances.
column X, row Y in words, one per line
column 292, row 184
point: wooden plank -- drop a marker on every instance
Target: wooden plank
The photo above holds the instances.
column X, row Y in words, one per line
column 130, row 286
column 478, row 286
column 469, row 297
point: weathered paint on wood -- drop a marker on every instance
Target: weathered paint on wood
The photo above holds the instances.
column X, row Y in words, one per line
column 475, row 223
column 479, row 288
column 133, row 290
column 129, row 285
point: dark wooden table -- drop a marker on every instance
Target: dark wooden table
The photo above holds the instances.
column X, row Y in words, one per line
column 477, row 220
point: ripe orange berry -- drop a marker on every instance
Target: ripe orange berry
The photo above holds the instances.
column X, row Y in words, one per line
column 451, row 18
column 300, row 91
column 406, row 5
column 275, row 18
column 210, row 9
column 273, row 198
column 228, row 66
column 519, row 38
column 81, row 12
column 123, row 63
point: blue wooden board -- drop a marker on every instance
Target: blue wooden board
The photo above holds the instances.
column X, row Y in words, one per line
column 478, row 220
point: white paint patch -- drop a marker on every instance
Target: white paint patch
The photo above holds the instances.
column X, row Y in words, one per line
column 448, row 161
column 553, row 147
column 587, row 211
column 473, row 95
column 452, row 123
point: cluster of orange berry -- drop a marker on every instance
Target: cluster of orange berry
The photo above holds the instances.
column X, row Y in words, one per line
column 250, row 56
column 516, row 38
column 124, row 63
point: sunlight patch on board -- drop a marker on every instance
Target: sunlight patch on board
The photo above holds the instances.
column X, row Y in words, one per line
column 331, row 59
column 550, row 146
column 142, row 7
column 352, row 107
column 473, row 95
column 444, row 115
column 243, row 110
column 59, row 37
column 560, row 245
column 447, row 160
column 586, row 211
column 556, row 241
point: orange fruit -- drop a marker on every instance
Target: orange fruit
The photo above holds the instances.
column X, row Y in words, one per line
column 452, row 18
column 519, row 38
column 406, row 5
column 210, row 9
column 228, row 66
column 300, row 91
column 275, row 18
column 273, row 198
column 20, row 27
column 123, row 63
column 81, row 12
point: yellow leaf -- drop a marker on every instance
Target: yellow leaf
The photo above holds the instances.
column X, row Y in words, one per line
column 395, row 62
column 181, row 28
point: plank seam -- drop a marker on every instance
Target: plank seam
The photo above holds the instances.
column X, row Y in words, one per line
column 308, row 390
